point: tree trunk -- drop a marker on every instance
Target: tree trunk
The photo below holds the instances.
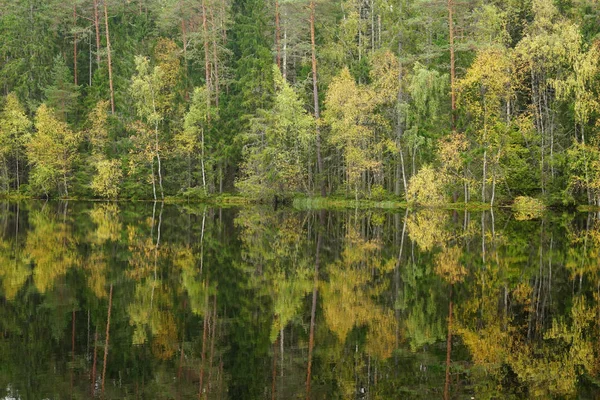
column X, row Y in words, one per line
column 97, row 27
column 316, row 98
column 206, row 52
column 156, row 144
column 202, row 163
column 17, row 165
column 108, row 50
column 401, row 168
column 452, row 63
column 277, row 36
column 284, row 49
column 75, row 44
column 215, row 59
column 184, row 43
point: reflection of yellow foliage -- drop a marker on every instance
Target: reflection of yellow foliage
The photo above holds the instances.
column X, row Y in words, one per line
column 143, row 253
column 51, row 246
column 140, row 309
column 288, row 295
column 348, row 297
column 187, row 261
column 274, row 243
column 106, row 218
column 448, row 265
column 14, row 270
column 164, row 343
column 566, row 353
column 96, row 264
column 428, row 228
column 488, row 346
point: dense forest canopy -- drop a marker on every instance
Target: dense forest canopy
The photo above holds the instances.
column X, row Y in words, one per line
column 429, row 101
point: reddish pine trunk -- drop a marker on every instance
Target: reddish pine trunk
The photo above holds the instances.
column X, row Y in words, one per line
column 215, row 59
column 108, row 49
column 107, row 340
column 206, row 52
column 75, row 44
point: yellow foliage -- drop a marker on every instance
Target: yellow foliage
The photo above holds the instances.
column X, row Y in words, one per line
column 448, row 265
column 426, row 188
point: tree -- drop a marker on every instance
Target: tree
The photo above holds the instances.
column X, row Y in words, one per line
column 14, row 133
column 146, row 87
column 52, row 152
column 486, row 93
column 277, row 155
column 62, row 94
column 349, row 113
column 192, row 140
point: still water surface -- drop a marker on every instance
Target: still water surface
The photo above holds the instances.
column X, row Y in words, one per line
column 151, row 301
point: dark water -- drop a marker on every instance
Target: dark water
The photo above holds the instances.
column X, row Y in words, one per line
column 143, row 301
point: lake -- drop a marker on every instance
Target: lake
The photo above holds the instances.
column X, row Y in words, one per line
column 144, row 300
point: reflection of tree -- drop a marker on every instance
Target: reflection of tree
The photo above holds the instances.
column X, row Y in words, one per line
column 14, row 268
column 349, row 295
column 108, row 229
column 51, row 246
column 428, row 228
column 149, row 311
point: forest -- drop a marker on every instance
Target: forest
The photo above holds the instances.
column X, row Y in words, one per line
column 423, row 101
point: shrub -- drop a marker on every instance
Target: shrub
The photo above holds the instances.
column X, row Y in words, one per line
column 526, row 208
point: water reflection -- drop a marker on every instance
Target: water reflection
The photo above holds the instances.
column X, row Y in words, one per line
column 147, row 300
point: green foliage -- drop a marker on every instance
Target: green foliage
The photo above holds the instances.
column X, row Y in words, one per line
column 62, row 93
column 277, row 153
column 201, row 110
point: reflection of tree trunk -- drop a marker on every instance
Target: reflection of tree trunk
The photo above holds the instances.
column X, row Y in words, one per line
column 274, row 371
column 182, row 353
column 72, row 348
column 107, row 341
column 313, row 310
column 448, row 349
column 93, row 376
column 213, row 333
column 204, row 336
